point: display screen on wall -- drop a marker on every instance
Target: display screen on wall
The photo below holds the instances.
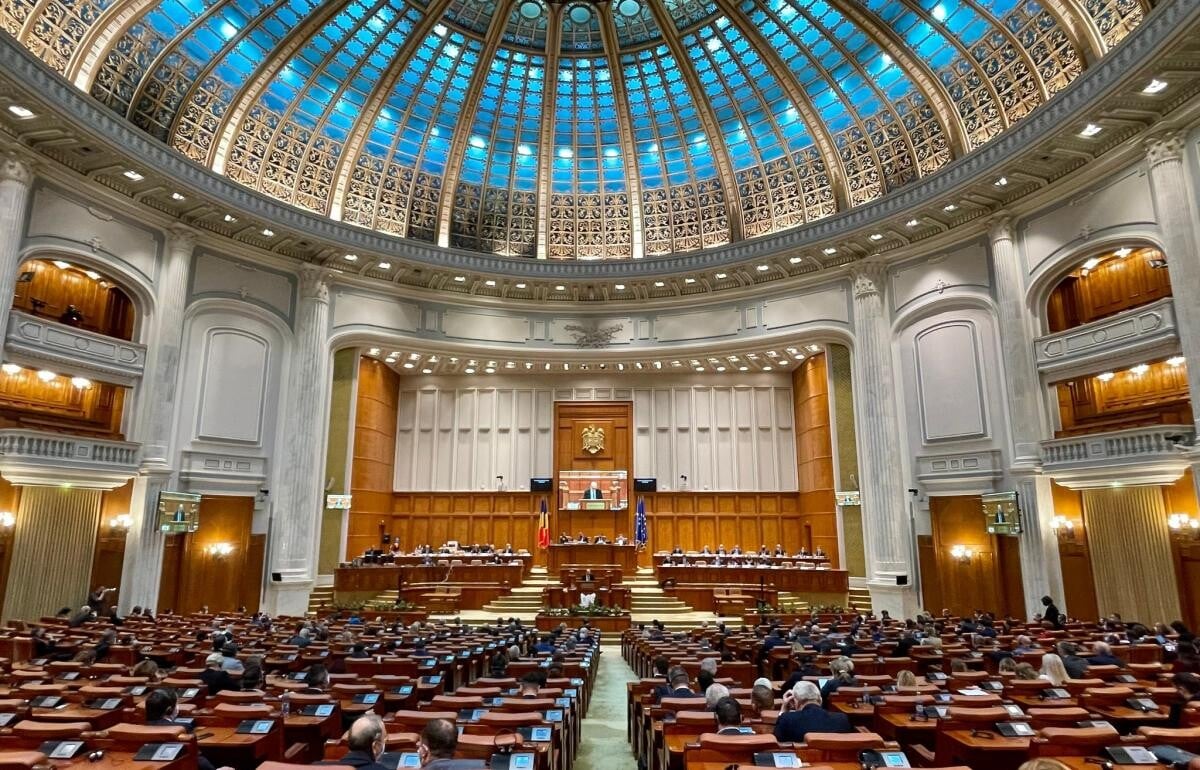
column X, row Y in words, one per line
column 1002, row 513
column 178, row 512
column 337, row 502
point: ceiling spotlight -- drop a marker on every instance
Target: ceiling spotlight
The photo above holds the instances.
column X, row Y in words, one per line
column 62, row 265
column 560, row 287
column 658, row 364
column 268, row 232
column 1175, row 360
column 230, row 218
column 1105, row 376
column 133, row 176
column 1140, row 369
column 743, row 368
column 829, row 251
column 1001, row 182
column 490, row 370
column 1123, row 252
column 877, row 236
column 619, row 287
column 92, row 274
column 460, row 279
column 82, row 383
column 1155, row 86
column 384, row 266
column 659, row 284
column 10, row 369
column 24, row 113
column 469, row 370
column 519, row 286
column 350, row 257
column 689, row 280
column 721, row 276
column 178, row 196
column 699, row 368
column 949, row 207
column 1091, row 263
column 407, row 364
column 1090, row 130
column 763, row 268
column 391, row 359
column 911, row 223
column 720, row 368
column 795, row 260
column 426, row 371
column 45, row 375
column 767, row 368
column 489, row 282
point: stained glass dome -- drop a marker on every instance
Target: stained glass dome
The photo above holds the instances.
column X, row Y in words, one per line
column 572, row 130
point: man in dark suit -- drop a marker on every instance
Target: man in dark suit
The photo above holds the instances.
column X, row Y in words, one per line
column 1102, row 656
column 216, row 677
column 162, row 710
column 439, row 741
column 367, row 740
column 729, row 716
column 803, row 715
column 679, row 683
column 593, row 492
column 677, row 551
column 1051, row 614
column 582, row 538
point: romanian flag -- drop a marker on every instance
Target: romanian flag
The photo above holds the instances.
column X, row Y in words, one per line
column 544, row 527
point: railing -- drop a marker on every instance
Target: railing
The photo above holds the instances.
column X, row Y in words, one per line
column 1151, row 454
column 1143, row 332
column 34, row 457
column 79, row 351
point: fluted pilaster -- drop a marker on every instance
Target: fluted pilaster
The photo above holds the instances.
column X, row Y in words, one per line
column 142, row 569
column 1041, row 571
column 886, row 520
column 16, row 181
column 298, row 500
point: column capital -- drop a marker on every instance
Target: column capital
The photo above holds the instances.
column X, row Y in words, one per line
column 314, row 283
column 181, row 237
column 14, row 168
column 1000, row 226
column 868, row 276
column 1164, row 147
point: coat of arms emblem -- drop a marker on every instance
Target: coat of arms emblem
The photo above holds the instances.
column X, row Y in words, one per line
column 593, row 439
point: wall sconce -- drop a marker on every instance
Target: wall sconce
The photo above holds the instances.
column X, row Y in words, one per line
column 7, row 520
column 1063, row 527
column 219, row 550
column 962, row 553
column 121, row 521
column 1183, row 526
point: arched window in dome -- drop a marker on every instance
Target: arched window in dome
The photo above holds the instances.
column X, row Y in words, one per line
column 1106, row 283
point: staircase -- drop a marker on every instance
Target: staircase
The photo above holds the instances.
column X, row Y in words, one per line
column 320, row 599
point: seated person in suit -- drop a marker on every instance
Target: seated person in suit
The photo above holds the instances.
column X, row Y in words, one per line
column 819, row 552
column 162, row 709
column 677, row 551
column 1187, row 685
column 762, row 550
column 706, row 551
column 600, row 540
column 366, row 740
column 439, row 742
column 721, row 549
column 729, row 716
column 1102, row 656
column 803, row 551
column 680, row 684
column 802, row 714
column 564, row 538
column 593, row 492
column 737, row 550
column 582, row 538
column 622, row 540
column 508, row 549
column 779, row 550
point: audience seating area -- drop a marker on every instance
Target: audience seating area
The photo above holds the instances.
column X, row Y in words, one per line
column 407, row 675
column 947, row 718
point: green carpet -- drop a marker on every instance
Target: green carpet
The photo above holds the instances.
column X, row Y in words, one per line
column 602, row 744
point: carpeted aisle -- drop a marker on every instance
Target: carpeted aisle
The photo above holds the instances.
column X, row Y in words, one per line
column 602, row 744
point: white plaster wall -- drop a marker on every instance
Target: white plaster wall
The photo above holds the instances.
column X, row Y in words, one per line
column 459, row 433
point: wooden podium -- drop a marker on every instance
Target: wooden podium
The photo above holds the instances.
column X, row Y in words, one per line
column 623, row 556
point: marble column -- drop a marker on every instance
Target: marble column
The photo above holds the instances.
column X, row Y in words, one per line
column 1041, row 570
column 142, row 568
column 16, row 181
column 887, row 527
column 1173, row 208
column 298, row 498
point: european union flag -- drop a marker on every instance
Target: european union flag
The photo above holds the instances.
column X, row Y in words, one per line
column 640, row 536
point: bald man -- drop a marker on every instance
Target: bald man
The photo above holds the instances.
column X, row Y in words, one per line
column 366, row 739
column 439, row 740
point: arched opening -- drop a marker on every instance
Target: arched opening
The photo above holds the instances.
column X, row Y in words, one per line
column 75, row 295
column 1107, row 283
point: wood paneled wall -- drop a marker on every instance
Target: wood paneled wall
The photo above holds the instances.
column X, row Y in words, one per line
column 110, row 540
column 571, row 418
column 105, row 307
column 1180, row 497
column 1111, row 287
column 1079, row 587
column 990, row 580
column 1157, row 397
column 373, row 472
column 749, row 519
column 194, row 577
column 469, row 517
column 28, row 402
column 10, row 500
column 814, row 455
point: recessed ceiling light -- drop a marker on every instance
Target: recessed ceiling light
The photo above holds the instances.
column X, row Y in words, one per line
column 619, row 287
column 949, row 207
column 722, row 276
column 699, row 368
column 1001, row 182
column 689, row 280
column 10, row 368
column 384, row 266
column 92, row 274
column 1091, row 263
column 178, row 196
column 763, row 268
column 61, row 265
column 1155, row 86
column 1090, row 130
column 520, row 286
column 426, row 371
column 489, row 282
column 490, row 370
column 373, row 352
column 390, row 360
column 767, row 368
column 45, row 375
column 659, row 284
column 877, row 236
column 24, row 113
column 81, row 382
column 560, row 287
column 350, row 257
column 469, row 370
column 814, row 348
column 268, row 232
column 1140, row 369
column 230, row 218
column 720, row 368
column 1175, row 360
column 795, row 260
column 133, row 176
column 829, row 251
column 911, row 223
column 460, row 279
column 743, row 368
column 1123, row 252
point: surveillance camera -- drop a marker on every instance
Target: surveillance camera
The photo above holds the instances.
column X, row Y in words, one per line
column 913, row 491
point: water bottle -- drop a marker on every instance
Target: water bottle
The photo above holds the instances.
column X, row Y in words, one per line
column 285, row 704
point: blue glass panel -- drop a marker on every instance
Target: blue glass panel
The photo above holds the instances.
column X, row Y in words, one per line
column 500, row 149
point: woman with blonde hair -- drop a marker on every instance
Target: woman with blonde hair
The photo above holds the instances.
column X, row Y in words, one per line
column 1008, row 666
column 1025, row 672
column 906, row 680
column 842, row 669
column 1053, row 670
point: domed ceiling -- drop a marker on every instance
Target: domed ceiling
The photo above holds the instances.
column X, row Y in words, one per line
column 572, row 130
